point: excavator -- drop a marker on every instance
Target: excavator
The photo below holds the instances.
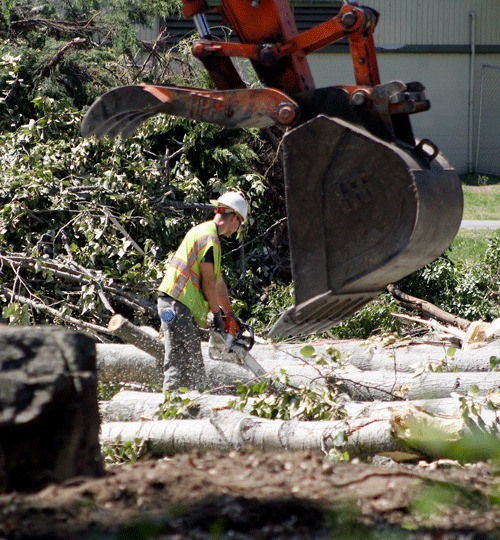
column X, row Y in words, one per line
column 367, row 203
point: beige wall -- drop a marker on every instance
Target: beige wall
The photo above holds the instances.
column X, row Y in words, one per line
column 446, row 78
column 436, row 22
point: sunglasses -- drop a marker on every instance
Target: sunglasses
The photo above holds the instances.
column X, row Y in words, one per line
column 238, row 217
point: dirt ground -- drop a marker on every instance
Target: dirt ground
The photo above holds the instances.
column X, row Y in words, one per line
column 254, row 495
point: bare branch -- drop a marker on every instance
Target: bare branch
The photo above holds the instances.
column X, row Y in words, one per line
column 39, row 306
column 78, row 274
column 411, row 302
column 58, row 56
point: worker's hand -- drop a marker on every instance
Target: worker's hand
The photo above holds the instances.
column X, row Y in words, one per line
column 218, row 321
column 233, row 315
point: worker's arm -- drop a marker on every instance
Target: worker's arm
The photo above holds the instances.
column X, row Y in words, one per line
column 209, row 286
column 223, row 296
column 215, row 291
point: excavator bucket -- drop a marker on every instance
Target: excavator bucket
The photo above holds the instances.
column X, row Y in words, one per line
column 362, row 213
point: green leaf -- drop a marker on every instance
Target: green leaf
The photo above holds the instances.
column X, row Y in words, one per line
column 494, row 363
column 340, row 438
column 308, row 351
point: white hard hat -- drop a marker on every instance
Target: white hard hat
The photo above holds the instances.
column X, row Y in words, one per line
column 235, row 201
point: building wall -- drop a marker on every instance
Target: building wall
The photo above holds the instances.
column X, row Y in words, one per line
column 429, row 41
column 432, row 41
column 446, row 79
column 436, row 22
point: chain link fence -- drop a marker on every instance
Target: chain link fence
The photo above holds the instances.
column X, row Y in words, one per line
column 488, row 128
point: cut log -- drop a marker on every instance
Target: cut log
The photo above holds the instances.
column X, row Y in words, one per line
column 360, row 385
column 129, row 405
column 230, row 430
column 410, row 358
column 384, row 386
column 129, row 364
column 128, row 332
column 126, row 363
column 49, row 418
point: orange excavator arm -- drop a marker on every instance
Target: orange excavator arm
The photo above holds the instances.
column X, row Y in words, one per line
column 269, row 38
column 367, row 203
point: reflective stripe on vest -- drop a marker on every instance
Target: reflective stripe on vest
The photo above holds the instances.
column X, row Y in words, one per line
column 186, row 270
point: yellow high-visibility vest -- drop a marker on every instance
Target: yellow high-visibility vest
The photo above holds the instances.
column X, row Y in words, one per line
column 182, row 278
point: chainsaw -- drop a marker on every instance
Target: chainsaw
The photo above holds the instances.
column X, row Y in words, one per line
column 233, row 344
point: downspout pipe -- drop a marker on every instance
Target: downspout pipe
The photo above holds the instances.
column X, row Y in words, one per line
column 472, row 15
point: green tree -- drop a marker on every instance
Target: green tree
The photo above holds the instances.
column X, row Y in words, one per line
column 112, row 211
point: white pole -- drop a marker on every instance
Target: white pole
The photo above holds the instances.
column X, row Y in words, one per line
column 472, row 15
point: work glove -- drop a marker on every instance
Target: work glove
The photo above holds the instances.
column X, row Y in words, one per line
column 233, row 315
column 218, row 321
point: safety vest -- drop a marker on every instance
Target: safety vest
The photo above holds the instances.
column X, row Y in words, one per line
column 182, row 278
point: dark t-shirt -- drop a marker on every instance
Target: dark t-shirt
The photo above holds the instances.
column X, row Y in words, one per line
column 209, row 256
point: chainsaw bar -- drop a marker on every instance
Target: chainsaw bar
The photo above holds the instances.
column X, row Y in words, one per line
column 236, row 354
column 248, row 360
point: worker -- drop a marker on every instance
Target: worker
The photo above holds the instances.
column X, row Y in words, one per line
column 192, row 287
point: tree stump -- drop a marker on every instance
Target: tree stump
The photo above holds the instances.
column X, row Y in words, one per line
column 49, row 418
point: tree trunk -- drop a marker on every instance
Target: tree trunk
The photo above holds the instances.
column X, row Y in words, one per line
column 230, row 430
column 142, row 339
column 49, row 418
column 128, row 405
column 379, row 385
column 360, row 385
column 127, row 363
column 412, row 357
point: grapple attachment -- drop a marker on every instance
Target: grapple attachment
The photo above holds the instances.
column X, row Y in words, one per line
column 362, row 213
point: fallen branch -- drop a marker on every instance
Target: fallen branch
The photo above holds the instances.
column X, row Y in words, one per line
column 477, row 335
column 450, row 330
column 78, row 274
column 417, row 304
column 56, row 314
column 118, row 225
column 58, row 56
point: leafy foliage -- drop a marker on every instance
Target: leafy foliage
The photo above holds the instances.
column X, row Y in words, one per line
column 177, row 404
column 278, row 399
column 375, row 317
column 465, row 289
column 123, row 452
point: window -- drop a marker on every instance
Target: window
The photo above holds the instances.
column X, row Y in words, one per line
column 307, row 15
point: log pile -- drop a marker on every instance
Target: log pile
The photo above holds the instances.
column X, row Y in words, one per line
column 390, row 388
